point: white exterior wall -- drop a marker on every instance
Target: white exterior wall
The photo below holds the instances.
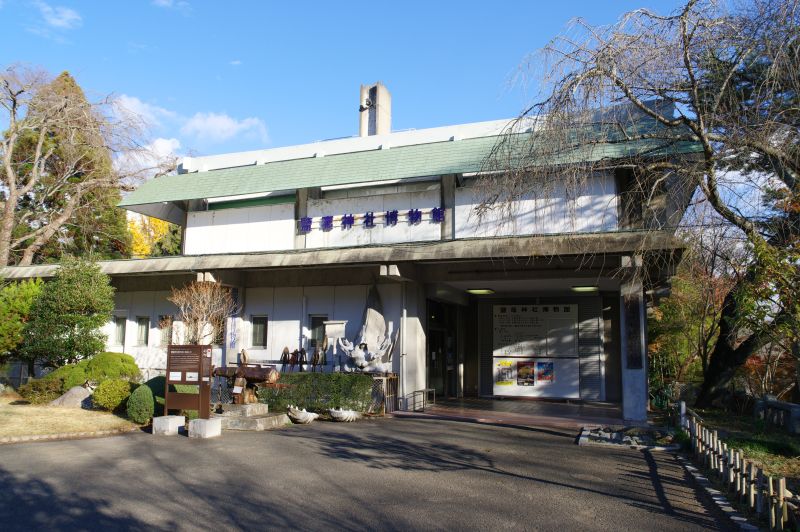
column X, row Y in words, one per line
column 287, row 310
column 261, row 228
column 132, row 305
column 380, row 234
column 594, row 209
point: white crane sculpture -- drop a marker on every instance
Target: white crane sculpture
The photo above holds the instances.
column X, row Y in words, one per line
column 372, row 351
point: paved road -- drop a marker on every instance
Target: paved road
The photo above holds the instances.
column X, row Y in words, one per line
column 392, row 474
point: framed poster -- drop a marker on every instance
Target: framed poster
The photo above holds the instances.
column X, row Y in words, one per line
column 526, row 373
column 545, row 372
column 504, row 373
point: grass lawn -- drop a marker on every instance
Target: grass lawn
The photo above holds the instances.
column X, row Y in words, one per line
column 775, row 451
column 28, row 420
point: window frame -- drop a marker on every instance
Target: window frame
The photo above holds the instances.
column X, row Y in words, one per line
column 163, row 318
column 253, row 318
column 117, row 320
column 139, row 321
column 312, row 340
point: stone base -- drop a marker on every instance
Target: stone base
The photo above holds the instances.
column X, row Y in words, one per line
column 263, row 422
column 168, row 425
column 253, row 409
column 205, row 428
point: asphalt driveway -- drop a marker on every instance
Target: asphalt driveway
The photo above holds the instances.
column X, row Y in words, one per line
column 390, row 474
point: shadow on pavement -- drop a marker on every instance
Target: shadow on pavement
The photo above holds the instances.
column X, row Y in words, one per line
column 32, row 504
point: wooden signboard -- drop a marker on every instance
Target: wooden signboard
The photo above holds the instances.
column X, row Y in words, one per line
column 191, row 365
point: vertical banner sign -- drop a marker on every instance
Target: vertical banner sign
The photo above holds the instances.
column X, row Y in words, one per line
column 633, row 330
column 189, row 365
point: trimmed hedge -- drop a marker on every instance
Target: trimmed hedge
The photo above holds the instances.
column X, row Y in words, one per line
column 112, row 394
column 41, row 391
column 98, row 369
column 141, row 405
column 317, row 392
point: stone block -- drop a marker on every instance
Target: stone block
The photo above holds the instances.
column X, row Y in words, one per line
column 168, row 425
column 252, row 409
column 265, row 422
column 205, row 428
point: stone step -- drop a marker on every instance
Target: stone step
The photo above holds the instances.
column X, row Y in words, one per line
column 263, row 422
column 249, row 410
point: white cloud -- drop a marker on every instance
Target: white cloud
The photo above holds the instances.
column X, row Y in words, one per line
column 158, row 156
column 213, row 127
column 59, row 17
column 180, row 5
column 236, row 62
column 165, row 147
column 133, row 107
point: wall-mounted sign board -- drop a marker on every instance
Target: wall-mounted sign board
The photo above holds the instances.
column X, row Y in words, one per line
column 190, row 365
column 535, row 350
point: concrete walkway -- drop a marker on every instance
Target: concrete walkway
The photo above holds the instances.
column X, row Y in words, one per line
column 526, row 413
column 390, row 474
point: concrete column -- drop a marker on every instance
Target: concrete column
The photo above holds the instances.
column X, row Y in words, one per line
column 300, row 210
column 448, row 202
column 634, row 351
column 412, row 376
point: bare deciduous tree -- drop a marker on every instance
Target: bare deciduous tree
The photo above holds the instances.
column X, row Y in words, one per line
column 697, row 107
column 58, row 151
column 203, row 307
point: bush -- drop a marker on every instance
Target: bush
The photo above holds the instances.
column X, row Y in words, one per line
column 318, row 392
column 111, row 394
column 97, row 369
column 683, row 439
column 156, row 385
column 141, row 405
column 41, row 391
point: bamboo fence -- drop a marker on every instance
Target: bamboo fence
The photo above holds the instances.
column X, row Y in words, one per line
column 763, row 496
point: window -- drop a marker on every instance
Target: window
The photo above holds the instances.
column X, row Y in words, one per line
column 119, row 330
column 259, row 338
column 165, row 326
column 317, row 331
column 142, row 330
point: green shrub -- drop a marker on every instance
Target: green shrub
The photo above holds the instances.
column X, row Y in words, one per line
column 41, row 391
column 156, row 385
column 97, row 369
column 682, row 438
column 141, row 405
column 320, row 391
column 112, row 394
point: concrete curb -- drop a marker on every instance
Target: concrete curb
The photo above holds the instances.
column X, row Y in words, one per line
column 583, row 439
column 719, row 499
column 65, row 436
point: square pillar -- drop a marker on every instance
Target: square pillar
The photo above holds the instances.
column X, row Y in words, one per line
column 633, row 349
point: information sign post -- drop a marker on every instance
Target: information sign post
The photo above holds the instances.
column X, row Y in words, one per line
column 189, row 365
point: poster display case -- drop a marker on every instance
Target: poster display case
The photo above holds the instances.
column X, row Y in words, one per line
column 535, row 350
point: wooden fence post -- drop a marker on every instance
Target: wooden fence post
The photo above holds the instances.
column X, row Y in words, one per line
column 782, row 513
column 770, row 504
column 751, row 499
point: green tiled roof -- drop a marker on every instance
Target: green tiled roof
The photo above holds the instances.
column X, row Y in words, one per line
column 449, row 157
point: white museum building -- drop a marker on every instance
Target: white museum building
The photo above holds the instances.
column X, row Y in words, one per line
column 483, row 306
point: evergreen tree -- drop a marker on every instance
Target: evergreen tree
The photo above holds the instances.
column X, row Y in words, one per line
column 66, row 319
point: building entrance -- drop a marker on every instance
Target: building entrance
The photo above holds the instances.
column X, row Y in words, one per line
column 441, row 358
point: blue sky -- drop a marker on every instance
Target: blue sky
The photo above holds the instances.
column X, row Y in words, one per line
column 214, row 77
